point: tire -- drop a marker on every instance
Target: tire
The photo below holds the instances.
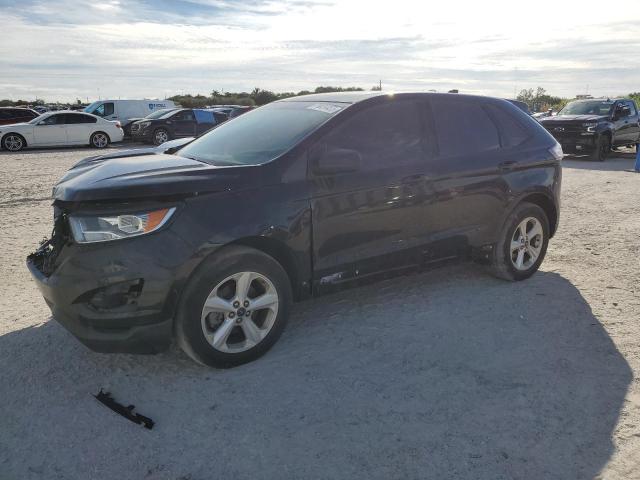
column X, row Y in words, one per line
column 240, row 334
column 99, row 140
column 603, row 148
column 13, row 142
column 160, row 136
column 508, row 262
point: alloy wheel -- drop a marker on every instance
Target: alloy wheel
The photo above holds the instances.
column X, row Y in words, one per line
column 161, row 136
column 13, row 143
column 526, row 243
column 239, row 312
column 100, row 140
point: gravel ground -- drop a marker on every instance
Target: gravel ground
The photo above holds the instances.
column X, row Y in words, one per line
column 446, row 374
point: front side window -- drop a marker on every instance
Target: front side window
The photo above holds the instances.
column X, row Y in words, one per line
column 51, row 120
column 104, row 110
column 385, row 135
column 184, row 116
column 632, row 108
column 463, row 127
column 261, row 135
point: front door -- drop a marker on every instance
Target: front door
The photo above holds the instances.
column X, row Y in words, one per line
column 370, row 220
column 184, row 124
column 628, row 129
column 51, row 131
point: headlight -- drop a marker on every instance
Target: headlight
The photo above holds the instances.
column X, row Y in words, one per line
column 102, row 228
column 144, row 124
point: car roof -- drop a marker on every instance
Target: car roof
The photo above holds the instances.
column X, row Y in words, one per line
column 356, row 97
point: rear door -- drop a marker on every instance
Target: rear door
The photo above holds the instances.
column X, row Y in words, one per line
column 367, row 221
column 184, row 124
column 51, row 130
column 79, row 128
column 470, row 193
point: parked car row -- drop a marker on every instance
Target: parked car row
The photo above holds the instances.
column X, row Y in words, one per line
column 60, row 128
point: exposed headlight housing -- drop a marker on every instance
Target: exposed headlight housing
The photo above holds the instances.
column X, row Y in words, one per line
column 103, row 228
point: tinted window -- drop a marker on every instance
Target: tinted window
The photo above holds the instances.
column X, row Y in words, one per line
column 104, row 110
column 262, row 134
column 184, row 116
column 511, row 132
column 53, row 120
column 160, row 113
column 4, row 114
column 384, row 135
column 462, row 127
column 73, row 118
column 631, row 107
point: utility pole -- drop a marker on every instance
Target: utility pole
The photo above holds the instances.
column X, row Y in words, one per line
column 380, row 85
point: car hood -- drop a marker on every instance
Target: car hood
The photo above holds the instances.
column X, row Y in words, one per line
column 573, row 118
column 147, row 176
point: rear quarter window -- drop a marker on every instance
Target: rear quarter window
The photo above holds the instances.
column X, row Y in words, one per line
column 463, row 127
column 512, row 133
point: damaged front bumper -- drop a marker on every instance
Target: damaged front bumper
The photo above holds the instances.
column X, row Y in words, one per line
column 114, row 297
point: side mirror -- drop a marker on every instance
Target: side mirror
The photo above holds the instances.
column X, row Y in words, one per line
column 331, row 161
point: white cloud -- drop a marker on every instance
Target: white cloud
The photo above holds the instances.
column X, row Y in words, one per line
column 72, row 48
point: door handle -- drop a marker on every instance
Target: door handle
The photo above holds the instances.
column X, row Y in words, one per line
column 508, row 165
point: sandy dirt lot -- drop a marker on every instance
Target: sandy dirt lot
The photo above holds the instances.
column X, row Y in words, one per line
column 445, row 374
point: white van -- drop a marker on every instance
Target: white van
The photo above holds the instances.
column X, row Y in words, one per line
column 127, row 110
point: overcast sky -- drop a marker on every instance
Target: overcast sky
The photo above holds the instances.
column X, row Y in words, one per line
column 68, row 49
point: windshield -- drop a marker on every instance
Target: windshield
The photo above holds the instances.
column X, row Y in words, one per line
column 159, row 113
column 262, row 134
column 89, row 108
column 596, row 107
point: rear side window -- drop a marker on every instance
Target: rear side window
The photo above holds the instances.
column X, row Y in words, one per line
column 385, row 135
column 4, row 114
column 184, row 116
column 511, row 132
column 74, row 118
column 463, row 127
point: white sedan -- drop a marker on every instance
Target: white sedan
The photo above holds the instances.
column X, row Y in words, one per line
column 60, row 128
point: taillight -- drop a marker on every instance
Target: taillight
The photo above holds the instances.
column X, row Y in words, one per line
column 556, row 151
column 118, row 124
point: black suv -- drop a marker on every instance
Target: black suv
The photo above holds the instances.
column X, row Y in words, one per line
column 175, row 123
column 210, row 245
column 594, row 126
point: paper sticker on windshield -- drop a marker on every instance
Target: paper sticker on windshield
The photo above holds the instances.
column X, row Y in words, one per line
column 324, row 107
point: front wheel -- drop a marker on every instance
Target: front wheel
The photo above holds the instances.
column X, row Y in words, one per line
column 160, row 136
column 99, row 140
column 603, row 148
column 234, row 308
column 523, row 243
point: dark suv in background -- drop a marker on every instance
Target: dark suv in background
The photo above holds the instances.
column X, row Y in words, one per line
column 210, row 245
column 595, row 126
column 175, row 123
column 11, row 115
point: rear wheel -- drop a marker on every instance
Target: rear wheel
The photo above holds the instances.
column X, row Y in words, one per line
column 523, row 243
column 160, row 136
column 234, row 308
column 603, row 148
column 13, row 142
column 99, row 140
